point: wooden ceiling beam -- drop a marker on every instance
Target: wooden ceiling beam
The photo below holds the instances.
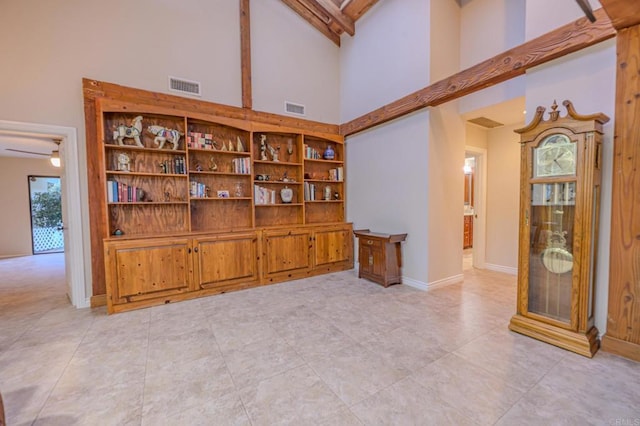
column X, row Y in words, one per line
column 311, row 18
column 245, row 54
column 567, row 39
column 623, row 13
column 356, row 8
column 345, row 22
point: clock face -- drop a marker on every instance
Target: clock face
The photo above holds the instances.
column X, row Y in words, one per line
column 555, row 156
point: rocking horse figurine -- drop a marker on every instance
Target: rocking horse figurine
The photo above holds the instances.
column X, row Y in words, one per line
column 163, row 135
column 129, row 132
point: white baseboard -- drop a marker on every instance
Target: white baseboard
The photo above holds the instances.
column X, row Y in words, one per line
column 499, row 268
column 415, row 283
column 446, row 281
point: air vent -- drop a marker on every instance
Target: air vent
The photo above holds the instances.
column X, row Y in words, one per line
column 295, row 109
column 184, row 86
column 485, row 122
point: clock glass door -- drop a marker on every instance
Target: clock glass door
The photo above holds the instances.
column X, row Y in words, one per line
column 551, row 253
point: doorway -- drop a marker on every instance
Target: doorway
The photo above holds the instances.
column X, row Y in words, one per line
column 475, row 181
column 78, row 292
column 45, row 204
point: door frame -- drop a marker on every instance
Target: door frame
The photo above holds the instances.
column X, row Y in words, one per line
column 480, row 205
column 71, row 205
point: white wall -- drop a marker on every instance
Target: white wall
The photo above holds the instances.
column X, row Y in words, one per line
column 15, row 226
column 476, row 136
column 488, row 28
column 386, row 166
column 503, row 203
column 47, row 47
column 387, row 187
column 387, row 59
column 292, row 61
column 587, row 78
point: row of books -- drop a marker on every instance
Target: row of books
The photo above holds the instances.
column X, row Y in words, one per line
column 336, row 174
column 241, row 165
column 119, row 192
column 312, row 153
column 262, row 195
column 310, row 192
column 175, row 166
column 198, row 190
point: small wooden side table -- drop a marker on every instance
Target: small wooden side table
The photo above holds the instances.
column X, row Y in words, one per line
column 380, row 257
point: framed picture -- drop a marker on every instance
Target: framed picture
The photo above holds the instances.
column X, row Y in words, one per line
column 223, row 194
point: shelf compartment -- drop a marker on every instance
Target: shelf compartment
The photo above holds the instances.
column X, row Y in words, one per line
column 214, row 134
column 287, row 145
column 113, row 121
column 279, row 214
column 324, row 211
column 139, row 218
column 233, row 213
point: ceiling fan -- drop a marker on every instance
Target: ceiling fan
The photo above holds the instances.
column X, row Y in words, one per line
column 586, row 8
column 27, row 152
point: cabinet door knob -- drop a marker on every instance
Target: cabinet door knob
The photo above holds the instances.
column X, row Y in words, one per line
column 189, row 250
column 369, row 242
column 195, row 249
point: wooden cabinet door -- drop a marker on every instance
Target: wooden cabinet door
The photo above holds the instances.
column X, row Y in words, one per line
column 371, row 258
column 142, row 269
column 225, row 260
column 286, row 254
column 332, row 245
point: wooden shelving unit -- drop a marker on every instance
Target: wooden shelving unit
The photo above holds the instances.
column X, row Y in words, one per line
column 209, row 215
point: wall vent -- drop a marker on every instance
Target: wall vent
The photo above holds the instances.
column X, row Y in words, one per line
column 295, row 109
column 184, row 86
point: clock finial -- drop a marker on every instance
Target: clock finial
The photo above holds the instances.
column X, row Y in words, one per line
column 554, row 114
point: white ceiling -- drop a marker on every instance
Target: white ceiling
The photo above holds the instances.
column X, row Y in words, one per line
column 38, row 145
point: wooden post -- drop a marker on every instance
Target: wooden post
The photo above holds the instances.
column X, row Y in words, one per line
column 245, row 53
column 623, row 319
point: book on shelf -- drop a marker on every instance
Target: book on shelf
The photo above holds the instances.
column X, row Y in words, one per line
column 309, row 191
column 120, row 192
column 263, row 196
column 241, row 165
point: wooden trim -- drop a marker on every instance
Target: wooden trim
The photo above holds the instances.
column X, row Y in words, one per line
column 620, row 347
column 342, row 20
column 623, row 13
column 313, row 19
column 245, row 53
column 623, row 319
column 567, row 39
column 99, row 300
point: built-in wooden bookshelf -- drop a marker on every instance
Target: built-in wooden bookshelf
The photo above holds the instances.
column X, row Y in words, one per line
column 220, row 206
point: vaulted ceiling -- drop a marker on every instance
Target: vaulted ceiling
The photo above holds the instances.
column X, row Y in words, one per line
column 331, row 17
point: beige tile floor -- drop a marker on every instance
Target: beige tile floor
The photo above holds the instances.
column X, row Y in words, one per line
column 329, row 350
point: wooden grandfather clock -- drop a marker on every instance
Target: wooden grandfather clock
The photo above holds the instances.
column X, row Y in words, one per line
column 560, row 174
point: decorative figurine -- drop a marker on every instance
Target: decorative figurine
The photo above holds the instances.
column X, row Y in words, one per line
column 118, row 232
column 263, row 148
column 329, row 153
column 163, row 167
column 224, row 147
column 167, row 197
column 231, row 147
column 290, row 146
column 124, row 162
column 129, row 132
column 286, row 194
column 239, row 190
column 212, row 164
column 274, row 153
column 164, row 135
column 239, row 145
column 327, row 193
column 198, row 167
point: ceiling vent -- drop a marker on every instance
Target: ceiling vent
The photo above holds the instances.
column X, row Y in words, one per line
column 295, row 109
column 485, row 122
column 184, row 86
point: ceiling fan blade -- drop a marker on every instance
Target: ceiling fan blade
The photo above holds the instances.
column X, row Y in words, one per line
column 586, row 8
column 27, row 152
